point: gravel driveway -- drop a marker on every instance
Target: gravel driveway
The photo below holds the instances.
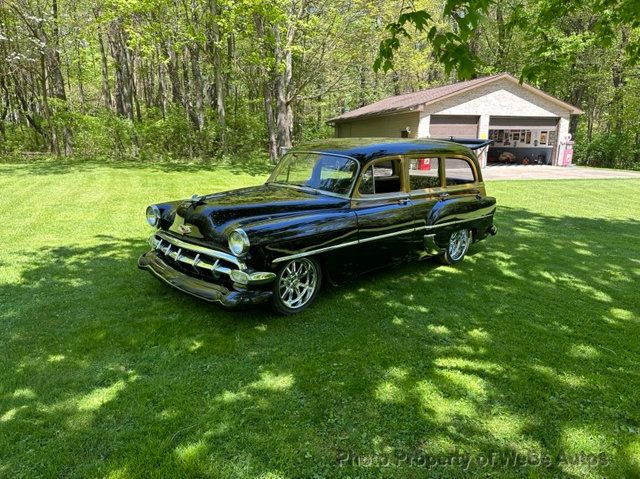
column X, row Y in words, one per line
column 543, row 172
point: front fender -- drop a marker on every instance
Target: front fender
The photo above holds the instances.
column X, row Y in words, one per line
column 167, row 213
column 304, row 233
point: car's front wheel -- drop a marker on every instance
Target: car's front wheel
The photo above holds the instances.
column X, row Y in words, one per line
column 296, row 285
column 458, row 246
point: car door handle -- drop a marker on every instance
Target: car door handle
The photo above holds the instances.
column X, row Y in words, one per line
column 443, row 196
column 403, row 201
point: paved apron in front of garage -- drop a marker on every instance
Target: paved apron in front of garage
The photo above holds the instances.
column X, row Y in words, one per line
column 543, row 172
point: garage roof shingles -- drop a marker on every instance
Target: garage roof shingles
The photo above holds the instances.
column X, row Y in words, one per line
column 409, row 101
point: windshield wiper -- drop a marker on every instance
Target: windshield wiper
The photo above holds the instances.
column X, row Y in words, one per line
column 300, row 187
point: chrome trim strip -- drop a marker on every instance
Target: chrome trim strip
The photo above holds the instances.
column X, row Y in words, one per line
column 373, row 238
column 199, row 249
column 315, row 251
column 429, row 227
column 387, row 235
column 382, row 197
column 342, row 245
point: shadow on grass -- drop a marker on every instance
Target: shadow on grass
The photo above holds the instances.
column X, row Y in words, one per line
column 529, row 347
column 48, row 165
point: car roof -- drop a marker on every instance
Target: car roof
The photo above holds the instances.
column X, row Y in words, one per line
column 366, row 149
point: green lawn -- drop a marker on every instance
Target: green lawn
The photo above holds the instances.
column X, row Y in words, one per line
column 530, row 346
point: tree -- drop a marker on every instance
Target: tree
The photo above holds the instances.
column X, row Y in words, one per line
column 216, row 78
column 453, row 47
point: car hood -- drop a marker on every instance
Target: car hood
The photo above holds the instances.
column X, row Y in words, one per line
column 217, row 214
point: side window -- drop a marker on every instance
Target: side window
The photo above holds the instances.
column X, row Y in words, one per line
column 423, row 173
column 458, row 172
column 382, row 177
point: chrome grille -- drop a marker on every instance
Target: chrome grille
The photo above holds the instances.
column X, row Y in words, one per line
column 199, row 258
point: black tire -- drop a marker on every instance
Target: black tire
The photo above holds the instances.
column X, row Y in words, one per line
column 457, row 247
column 289, row 293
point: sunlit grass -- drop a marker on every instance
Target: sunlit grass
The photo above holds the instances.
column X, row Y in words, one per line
column 530, row 346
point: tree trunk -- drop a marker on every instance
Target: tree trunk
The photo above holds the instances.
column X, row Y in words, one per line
column 616, row 120
column 53, row 137
column 198, row 93
column 161, row 98
column 218, row 74
column 81, row 84
column 267, row 92
column 271, row 131
column 4, row 110
column 362, row 96
column 284, row 112
column 55, row 72
column 396, row 83
column 501, row 44
column 104, row 69
column 133, row 78
column 174, row 75
column 123, row 93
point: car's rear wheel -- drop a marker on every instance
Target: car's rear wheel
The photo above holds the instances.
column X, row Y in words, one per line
column 458, row 246
column 296, row 285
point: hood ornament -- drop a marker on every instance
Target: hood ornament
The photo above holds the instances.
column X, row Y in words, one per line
column 184, row 229
column 197, row 199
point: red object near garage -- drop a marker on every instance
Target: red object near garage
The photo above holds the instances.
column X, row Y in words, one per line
column 424, row 164
column 568, row 154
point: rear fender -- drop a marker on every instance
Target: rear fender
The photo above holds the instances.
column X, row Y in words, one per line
column 473, row 212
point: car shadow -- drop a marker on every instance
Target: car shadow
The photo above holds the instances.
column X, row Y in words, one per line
column 526, row 349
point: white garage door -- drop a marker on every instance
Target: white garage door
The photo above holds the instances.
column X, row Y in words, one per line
column 444, row 126
column 515, row 122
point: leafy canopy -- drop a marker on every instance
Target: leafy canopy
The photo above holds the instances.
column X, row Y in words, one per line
column 452, row 47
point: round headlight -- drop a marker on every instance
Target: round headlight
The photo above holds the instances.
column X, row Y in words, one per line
column 153, row 216
column 239, row 242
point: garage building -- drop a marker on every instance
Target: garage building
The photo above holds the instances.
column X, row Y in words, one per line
column 526, row 125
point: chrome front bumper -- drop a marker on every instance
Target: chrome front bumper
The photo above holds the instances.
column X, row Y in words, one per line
column 199, row 288
column 208, row 261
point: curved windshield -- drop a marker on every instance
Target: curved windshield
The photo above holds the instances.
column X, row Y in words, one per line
column 332, row 174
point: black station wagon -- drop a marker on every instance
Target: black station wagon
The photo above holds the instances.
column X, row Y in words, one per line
column 329, row 210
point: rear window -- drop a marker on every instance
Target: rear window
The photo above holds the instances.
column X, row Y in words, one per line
column 458, row 172
column 423, row 173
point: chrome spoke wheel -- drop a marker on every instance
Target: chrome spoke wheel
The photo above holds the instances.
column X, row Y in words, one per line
column 297, row 283
column 458, row 244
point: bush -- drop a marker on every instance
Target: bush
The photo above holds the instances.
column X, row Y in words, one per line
column 169, row 137
column 609, row 151
column 102, row 133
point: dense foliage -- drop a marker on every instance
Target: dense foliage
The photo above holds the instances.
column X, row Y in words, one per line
column 215, row 78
